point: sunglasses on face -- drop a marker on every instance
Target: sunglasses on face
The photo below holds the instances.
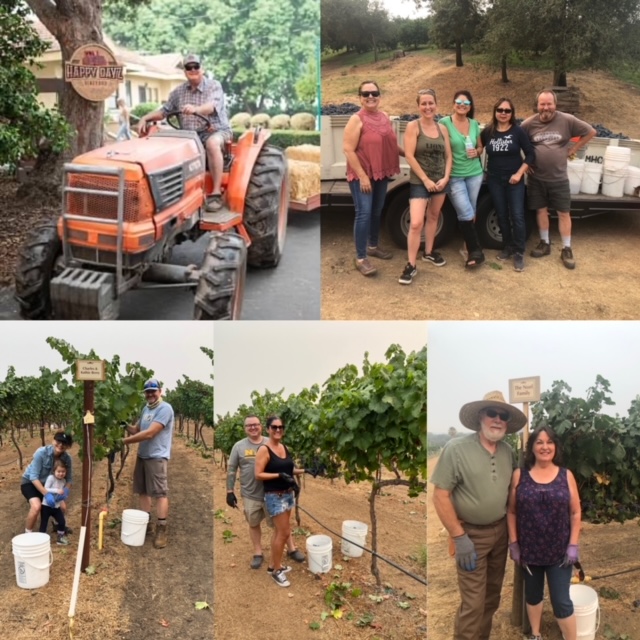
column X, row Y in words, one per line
column 500, row 110
column 192, row 67
column 277, row 427
column 372, row 94
column 466, row 103
column 503, row 415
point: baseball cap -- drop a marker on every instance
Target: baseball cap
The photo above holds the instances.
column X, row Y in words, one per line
column 151, row 385
column 191, row 58
column 63, row 438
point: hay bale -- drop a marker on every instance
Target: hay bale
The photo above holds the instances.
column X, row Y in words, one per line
column 260, row 120
column 281, row 121
column 240, row 121
column 304, row 179
column 303, row 122
column 306, row 152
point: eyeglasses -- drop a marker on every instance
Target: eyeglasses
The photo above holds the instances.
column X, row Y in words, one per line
column 372, row 94
column 192, row 67
column 466, row 103
column 500, row 110
column 253, row 424
column 277, row 427
column 503, row 415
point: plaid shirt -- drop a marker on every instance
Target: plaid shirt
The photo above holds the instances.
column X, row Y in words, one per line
column 206, row 92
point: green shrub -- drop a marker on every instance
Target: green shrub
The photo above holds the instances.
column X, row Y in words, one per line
column 143, row 108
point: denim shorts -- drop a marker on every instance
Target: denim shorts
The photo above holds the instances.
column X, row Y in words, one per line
column 420, row 191
column 278, row 503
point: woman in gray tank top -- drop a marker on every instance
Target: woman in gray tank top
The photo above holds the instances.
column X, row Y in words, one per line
column 428, row 152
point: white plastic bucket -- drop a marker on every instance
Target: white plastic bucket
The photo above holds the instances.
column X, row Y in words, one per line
column 33, row 557
column 353, row 531
column 613, row 183
column 594, row 152
column 587, row 612
column 575, row 169
column 591, row 178
column 617, row 159
column 632, row 181
column 319, row 554
column 134, row 527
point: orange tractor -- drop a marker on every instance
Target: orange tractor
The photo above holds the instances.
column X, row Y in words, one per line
column 126, row 205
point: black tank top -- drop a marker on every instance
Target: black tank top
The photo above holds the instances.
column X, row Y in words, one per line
column 276, row 464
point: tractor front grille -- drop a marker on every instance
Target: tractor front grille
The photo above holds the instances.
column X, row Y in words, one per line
column 167, row 187
column 103, row 206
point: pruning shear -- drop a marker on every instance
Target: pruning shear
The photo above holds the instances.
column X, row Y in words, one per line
column 525, row 566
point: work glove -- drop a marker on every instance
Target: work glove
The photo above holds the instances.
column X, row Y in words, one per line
column 514, row 552
column 49, row 500
column 232, row 501
column 571, row 556
column 62, row 496
column 312, row 472
column 465, row 552
column 287, row 478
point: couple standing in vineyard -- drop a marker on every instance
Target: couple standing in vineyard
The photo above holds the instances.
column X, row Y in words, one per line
column 267, row 487
column 490, row 508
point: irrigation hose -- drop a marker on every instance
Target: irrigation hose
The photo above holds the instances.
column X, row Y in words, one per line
column 373, row 553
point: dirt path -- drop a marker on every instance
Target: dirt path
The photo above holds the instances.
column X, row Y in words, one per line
column 134, row 589
column 604, row 549
column 250, row 605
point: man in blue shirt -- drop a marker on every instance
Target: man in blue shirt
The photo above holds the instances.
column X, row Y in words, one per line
column 153, row 431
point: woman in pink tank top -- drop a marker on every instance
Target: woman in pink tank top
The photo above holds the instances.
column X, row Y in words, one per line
column 373, row 156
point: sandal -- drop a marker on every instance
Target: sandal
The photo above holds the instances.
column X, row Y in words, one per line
column 474, row 260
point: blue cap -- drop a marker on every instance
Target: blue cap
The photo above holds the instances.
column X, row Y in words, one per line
column 151, row 385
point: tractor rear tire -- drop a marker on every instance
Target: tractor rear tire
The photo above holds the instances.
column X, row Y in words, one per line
column 267, row 208
column 37, row 265
column 221, row 285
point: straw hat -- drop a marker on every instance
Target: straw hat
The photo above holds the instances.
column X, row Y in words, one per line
column 469, row 412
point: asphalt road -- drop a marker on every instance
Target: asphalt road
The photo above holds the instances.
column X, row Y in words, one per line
column 291, row 291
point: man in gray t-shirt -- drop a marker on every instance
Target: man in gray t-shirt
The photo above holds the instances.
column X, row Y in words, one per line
column 243, row 457
column 153, row 431
column 472, row 478
column 550, row 132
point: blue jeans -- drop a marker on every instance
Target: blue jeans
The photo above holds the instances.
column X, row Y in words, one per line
column 366, row 227
column 463, row 193
column 124, row 133
column 508, row 199
column 559, row 581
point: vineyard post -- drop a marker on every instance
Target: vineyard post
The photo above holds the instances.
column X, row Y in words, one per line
column 524, row 390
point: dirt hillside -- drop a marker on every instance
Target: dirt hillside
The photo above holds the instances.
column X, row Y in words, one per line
column 603, row 99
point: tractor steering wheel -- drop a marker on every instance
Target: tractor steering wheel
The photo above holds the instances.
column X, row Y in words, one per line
column 173, row 120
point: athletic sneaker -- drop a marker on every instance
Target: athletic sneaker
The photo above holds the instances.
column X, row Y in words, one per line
column 567, row 258
column 505, row 254
column 543, row 249
column 62, row 540
column 434, row 258
column 518, row 262
column 408, row 274
column 280, row 579
column 284, row 569
column 532, row 637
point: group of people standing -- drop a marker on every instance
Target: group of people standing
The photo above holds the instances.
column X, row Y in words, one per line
column 490, row 507
column 444, row 158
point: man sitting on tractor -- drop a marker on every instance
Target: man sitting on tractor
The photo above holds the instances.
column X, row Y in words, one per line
column 201, row 96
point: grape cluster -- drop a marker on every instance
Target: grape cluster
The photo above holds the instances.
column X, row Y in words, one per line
column 344, row 109
column 603, row 132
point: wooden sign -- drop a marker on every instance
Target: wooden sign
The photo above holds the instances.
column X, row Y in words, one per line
column 93, row 72
column 524, row 390
column 90, row 370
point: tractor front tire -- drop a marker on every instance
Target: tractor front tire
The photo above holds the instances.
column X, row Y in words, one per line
column 38, row 263
column 221, row 285
column 267, row 208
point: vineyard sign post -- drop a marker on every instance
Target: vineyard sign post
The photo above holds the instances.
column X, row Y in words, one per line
column 88, row 371
column 524, row 390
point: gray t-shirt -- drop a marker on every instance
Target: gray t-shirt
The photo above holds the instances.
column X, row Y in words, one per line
column 243, row 456
column 551, row 141
column 478, row 481
column 160, row 445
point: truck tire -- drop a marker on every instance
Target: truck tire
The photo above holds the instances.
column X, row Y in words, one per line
column 39, row 261
column 487, row 223
column 267, row 208
column 221, row 285
column 397, row 220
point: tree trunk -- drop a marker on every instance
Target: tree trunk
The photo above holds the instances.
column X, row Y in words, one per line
column 503, row 68
column 459, row 54
column 72, row 23
column 374, row 530
column 17, row 446
column 42, row 432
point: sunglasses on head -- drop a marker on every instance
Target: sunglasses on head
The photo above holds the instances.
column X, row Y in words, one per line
column 192, row 67
column 277, row 427
column 501, row 110
column 372, row 94
column 503, row 415
column 466, row 103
